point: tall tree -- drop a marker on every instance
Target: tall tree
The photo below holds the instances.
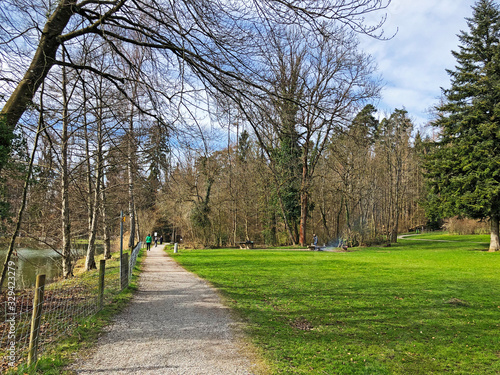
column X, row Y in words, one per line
column 22, row 207
column 156, row 150
column 212, row 41
column 104, row 212
column 463, row 167
column 394, row 141
column 99, row 168
column 318, row 83
column 65, row 180
column 350, row 159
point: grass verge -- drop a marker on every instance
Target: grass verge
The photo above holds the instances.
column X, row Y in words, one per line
column 418, row 307
column 84, row 335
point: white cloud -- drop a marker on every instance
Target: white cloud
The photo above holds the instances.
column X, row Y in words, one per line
column 413, row 63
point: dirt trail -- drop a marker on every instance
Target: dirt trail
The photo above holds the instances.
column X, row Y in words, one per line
column 175, row 324
column 412, row 237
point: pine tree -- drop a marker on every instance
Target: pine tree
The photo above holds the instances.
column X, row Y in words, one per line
column 464, row 166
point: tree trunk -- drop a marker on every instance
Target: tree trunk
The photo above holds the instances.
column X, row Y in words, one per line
column 397, row 211
column 131, row 209
column 304, row 200
column 235, row 225
column 66, row 225
column 130, row 170
column 25, row 193
column 137, row 222
column 90, row 209
column 303, row 218
column 42, row 62
column 287, row 223
column 339, row 215
column 104, row 213
column 247, row 238
column 495, row 234
column 323, row 212
column 90, row 260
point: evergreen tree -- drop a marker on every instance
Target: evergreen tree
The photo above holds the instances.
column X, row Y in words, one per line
column 464, row 166
column 394, row 149
column 156, row 155
column 365, row 126
column 288, row 167
column 243, row 146
column 13, row 160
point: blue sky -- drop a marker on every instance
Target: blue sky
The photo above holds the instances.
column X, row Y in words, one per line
column 413, row 63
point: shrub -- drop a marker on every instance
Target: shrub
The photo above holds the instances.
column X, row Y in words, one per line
column 456, row 225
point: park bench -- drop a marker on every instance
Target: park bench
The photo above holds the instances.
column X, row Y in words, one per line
column 315, row 248
column 245, row 244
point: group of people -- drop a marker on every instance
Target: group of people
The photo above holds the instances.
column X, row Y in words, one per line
column 149, row 240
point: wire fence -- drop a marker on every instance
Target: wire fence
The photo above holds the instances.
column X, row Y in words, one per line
column 133, row 259
column 63, row 306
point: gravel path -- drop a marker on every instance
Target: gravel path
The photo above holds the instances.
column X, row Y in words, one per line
column 175, row 324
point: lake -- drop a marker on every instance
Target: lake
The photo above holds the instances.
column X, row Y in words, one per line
column 30, row 263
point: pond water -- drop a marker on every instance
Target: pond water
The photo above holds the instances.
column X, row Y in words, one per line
column 30, row 263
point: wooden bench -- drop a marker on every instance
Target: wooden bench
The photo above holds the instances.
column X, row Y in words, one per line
column 245, row 244
column 315, row 248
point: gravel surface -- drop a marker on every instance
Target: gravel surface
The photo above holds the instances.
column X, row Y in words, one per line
column 175, row 324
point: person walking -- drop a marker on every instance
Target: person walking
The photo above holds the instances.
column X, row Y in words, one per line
column 148, row 242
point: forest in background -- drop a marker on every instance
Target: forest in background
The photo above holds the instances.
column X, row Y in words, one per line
column 224, row 122
column 367, row 186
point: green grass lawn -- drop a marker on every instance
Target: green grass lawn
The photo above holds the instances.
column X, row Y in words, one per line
column 418, row 307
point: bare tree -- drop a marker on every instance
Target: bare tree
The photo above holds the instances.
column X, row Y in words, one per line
column 214, row 41
column 349, row 163
column 317, row 84
column 217, row 46
column 20, row 214
column 104, row 212
column 99, row 167
column 65, row 210
column 394, row 148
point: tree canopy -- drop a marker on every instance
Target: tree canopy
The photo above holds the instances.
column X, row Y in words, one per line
column 217, row 42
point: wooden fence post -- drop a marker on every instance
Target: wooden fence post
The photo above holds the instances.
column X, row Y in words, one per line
column 102, row 270
column 35, row 319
